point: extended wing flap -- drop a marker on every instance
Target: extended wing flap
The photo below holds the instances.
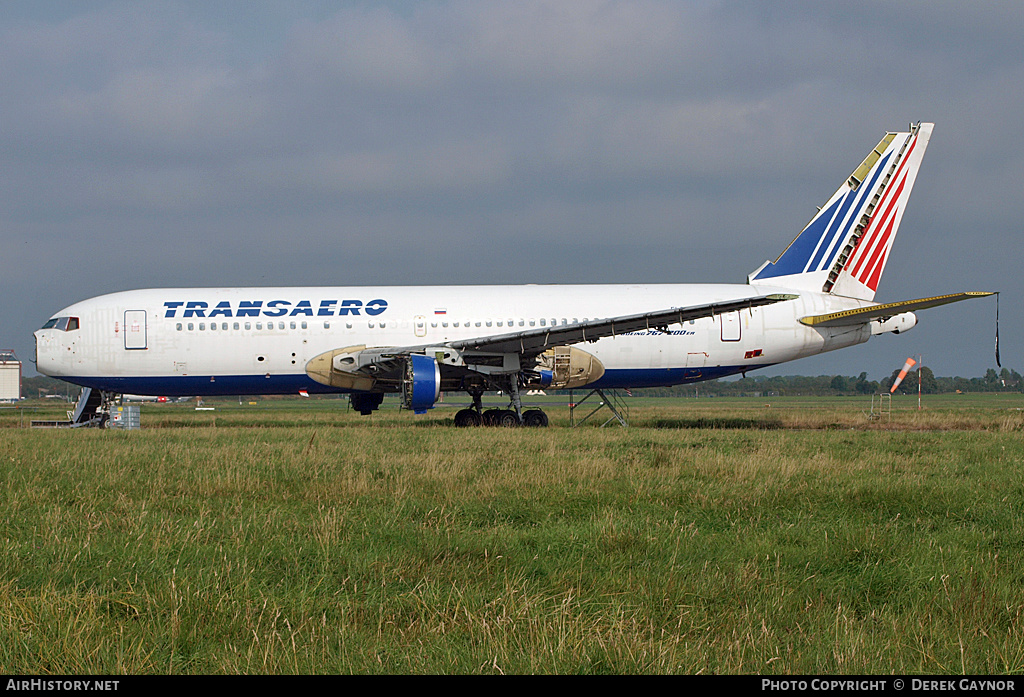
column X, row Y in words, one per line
column 886, row 310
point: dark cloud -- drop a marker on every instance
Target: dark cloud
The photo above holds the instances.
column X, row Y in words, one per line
column 187, row 143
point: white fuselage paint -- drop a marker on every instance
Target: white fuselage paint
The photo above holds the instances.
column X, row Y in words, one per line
column 174, row 351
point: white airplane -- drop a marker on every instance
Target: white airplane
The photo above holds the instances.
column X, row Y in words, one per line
column 419, row 341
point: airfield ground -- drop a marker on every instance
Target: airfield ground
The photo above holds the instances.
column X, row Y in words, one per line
column 769, row 535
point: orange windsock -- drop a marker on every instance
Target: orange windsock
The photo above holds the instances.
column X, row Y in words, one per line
column 903, row 373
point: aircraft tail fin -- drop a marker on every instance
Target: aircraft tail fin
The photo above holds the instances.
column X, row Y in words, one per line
column 844, row 248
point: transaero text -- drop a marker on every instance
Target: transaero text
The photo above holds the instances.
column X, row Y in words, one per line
column 274, row 308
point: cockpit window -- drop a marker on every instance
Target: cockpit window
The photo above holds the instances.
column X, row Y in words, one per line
column 65, row 324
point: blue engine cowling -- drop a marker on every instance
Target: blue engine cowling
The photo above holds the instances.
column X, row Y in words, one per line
column 422, row 383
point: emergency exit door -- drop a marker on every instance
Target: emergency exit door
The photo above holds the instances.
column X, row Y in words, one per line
column 135, row 329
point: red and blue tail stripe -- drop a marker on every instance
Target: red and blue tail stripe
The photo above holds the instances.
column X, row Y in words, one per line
column 844, row 248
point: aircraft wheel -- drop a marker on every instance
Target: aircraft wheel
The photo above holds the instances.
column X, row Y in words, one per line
column 466, row 418
column 535, row 418
column 508, row 419
column 492, row 417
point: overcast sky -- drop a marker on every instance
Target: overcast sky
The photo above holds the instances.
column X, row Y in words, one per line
column 344, row 143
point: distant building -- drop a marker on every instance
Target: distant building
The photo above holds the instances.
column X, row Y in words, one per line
column 10, row 376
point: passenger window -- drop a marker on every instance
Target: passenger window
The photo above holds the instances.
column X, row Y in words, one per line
column 292, row 325
column 235, row 325
column 224, row 326
column 248, row 325
column 178, row 326
column 543, row 322
column 280, row 325
column 202, row 326
column 304, row 324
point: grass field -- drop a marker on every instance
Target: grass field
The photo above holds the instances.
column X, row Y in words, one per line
column 781, row 535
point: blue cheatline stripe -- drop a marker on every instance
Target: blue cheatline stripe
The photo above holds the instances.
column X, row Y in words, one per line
column 861, row 201
column 229, row 385
column 204, row 386
column 667, row 377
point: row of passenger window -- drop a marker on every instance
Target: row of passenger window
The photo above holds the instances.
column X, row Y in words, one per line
column 543, row 322
column 223, row 326
column 282, row 326
column 248, row 326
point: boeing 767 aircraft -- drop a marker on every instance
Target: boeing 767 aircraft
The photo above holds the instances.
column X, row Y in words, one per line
column 419, row 341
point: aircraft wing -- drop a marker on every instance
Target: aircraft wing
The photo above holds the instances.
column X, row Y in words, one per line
column 362, row 368
column 886, row 310
column 535, row 341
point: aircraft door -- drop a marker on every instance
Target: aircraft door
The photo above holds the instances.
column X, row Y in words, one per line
column 731, row 326
column 135, row 329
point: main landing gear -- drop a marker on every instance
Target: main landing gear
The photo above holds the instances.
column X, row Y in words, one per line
column 508, row 418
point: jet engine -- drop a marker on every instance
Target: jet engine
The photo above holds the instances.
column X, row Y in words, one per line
column 421, row 384
column 566, row 367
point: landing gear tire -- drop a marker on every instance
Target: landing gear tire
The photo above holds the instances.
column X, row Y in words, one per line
column 466, row 418
column 535, row 418
column 508, row 419
column 492, row 417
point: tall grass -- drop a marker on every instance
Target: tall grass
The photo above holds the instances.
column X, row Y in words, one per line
column 313, row 541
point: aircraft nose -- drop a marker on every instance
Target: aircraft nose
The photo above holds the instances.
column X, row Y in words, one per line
column 47, row 355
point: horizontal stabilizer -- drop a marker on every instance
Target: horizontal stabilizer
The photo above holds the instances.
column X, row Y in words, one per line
column 886, row 310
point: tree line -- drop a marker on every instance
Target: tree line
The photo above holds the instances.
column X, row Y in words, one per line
column 1006, row 380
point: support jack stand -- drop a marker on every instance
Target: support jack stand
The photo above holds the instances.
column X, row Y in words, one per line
column 615, row 404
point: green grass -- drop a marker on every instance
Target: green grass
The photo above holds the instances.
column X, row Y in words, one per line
column 713, row 536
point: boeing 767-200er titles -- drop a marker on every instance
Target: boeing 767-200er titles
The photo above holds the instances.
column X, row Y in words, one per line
column 419, row 341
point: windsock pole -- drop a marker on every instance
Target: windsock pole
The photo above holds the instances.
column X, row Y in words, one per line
column 903, row 373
